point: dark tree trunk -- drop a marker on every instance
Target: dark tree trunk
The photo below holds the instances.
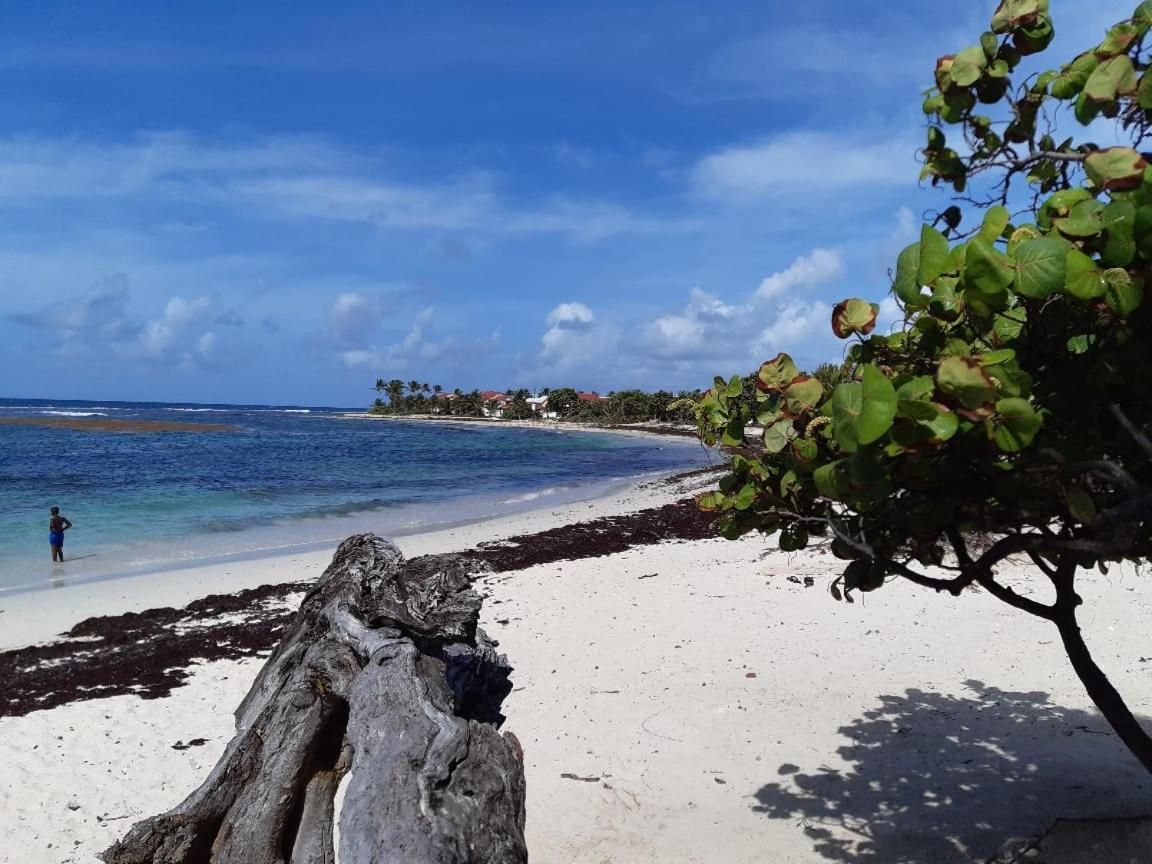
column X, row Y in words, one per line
column 1102, row 693
column 384, row 682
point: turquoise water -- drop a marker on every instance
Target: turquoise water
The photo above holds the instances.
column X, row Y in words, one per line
column 283, row 479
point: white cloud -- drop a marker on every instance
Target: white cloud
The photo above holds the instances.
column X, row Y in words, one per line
column 416, row 350
column 818, row 267
column 99, row 323
column 575, row 340
column 796, row 329
column 352, row 319
column 907, row 226
column 805, row 162
column 571, row 315
column 163, row 335
column 301, row 178
column 707, row 334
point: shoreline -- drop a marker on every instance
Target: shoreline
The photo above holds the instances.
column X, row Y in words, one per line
column 679, row 699
column 659, row 430
column 26, row 621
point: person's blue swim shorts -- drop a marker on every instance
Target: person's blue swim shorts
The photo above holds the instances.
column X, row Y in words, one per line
column 56, row 538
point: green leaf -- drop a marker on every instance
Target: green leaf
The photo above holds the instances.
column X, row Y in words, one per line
column 1012, row 13
column 776, row 374
column 1144, row 91
column 1081, row 507
column 907, row 282
column 1116, row 169
column 1008, row 325
column 745, row 498
column 863, row 411
column 805, row 448
column 1114, row 77
column 1084, row 279
column 995, row 221
column 987, row 269
column 793, row 538
column 968, row 66
column 1074, row 76
column 710, row 501
column 832, row 480
column 1086, row 110
column 734, row 433
column 995, row 358
column 1041, row 267
column 945, row 303
column 1016, row 424
column 934, row 256
column 935, row 422
column 919, row 388
column 863, row 576
column 777, row 436
column 854, row 316
column 967, row 382
column 803, row 394
column 1123, row 293
column 1142, row 231
column 1119, row 223
column 1118, row 40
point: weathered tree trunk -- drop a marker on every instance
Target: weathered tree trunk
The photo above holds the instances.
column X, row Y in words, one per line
column 383, row 681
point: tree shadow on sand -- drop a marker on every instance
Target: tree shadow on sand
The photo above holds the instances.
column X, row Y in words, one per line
column 933, row 778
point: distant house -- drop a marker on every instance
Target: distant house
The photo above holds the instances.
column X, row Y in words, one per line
column 539, row 405
column 591, row 397
column 494, row 403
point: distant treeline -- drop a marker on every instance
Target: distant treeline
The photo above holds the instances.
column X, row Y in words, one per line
column 563, row 403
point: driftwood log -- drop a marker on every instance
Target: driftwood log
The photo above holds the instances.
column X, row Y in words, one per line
column 385, row 691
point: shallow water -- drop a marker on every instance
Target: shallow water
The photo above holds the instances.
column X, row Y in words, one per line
column 283, row 478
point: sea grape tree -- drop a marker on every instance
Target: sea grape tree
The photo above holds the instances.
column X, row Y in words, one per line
column 1008, row 415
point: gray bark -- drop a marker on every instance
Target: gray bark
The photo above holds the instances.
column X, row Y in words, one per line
column 384, row 680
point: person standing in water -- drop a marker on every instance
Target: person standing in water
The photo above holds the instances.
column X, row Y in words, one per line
column 57, row 525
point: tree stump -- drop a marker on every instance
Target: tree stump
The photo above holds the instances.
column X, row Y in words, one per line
column 385, row 682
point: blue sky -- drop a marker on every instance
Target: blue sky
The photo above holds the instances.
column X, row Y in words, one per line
column 270, row 202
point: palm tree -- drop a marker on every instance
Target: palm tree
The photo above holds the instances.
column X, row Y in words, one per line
column 380, row 385
column 395, row 389
column 437, row 389
column 413, row 387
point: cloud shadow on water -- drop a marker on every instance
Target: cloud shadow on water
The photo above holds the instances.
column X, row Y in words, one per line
column 933, row 778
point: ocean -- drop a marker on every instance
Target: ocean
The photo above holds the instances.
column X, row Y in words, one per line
column 279, row 479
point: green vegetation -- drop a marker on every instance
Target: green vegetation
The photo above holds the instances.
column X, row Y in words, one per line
column 564, row 403
column 1008, row 415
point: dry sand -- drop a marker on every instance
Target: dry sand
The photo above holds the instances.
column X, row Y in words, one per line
column 685, row 702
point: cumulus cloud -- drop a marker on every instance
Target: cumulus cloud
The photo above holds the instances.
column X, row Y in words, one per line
column 575, row 340
column 570, row 315
column 99, row 322
column 706, row 334
column 818, row 267
column 352, row 318
column 417, row 348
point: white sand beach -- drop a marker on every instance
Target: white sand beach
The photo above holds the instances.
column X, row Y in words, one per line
column 680, row 702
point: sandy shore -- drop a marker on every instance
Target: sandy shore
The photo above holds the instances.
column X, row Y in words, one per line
column 678, row 702
column 667, row 430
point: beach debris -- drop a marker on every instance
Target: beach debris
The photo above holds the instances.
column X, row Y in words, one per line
column 568, row 776
column 384, row 686
column 195, row 742
column 648, row 576
column 150, row 653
